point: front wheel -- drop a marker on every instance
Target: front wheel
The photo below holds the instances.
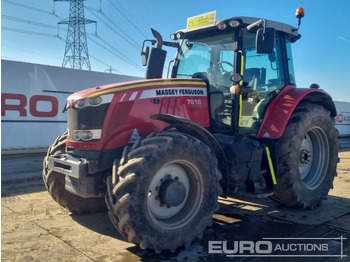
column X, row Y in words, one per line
column 167, row 191
column 55, row 184
column 309, row 157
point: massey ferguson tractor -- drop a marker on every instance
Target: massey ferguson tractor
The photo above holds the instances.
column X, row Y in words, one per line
column 228, row 121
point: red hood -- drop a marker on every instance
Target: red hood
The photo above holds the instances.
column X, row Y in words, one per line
column 139, row 84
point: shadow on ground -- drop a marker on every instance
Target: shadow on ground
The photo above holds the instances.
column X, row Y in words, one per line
column 244, row 220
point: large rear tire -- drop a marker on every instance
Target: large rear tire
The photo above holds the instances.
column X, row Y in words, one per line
column 167, row 191
column 308, row 158
column 55, row 185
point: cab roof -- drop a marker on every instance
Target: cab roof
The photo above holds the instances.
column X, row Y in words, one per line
column 244, row 21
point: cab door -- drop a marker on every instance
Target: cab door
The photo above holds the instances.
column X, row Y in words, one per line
column 264, row 75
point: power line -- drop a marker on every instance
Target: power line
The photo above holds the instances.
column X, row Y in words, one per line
column 98, row 60
column 128, row 17
column 41, row 54
column 102, row 17
column 29, row 7
column 27, row 51
column 120, row 31
column 28, row 32
column 120, row 55
column 27, row 21
column 126, row 60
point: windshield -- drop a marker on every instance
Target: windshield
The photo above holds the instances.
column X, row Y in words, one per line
column 212, row 56
column 264, row 75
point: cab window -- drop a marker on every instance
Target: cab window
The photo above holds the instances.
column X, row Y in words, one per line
column 290, row 63
column 213, row 57
column 262, row 72
column 195, row 57
column 263, row 77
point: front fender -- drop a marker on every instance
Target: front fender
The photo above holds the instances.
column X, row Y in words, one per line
column 282, row 107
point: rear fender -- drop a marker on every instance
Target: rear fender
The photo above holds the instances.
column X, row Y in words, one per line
column 282, row 107
column 192, row 128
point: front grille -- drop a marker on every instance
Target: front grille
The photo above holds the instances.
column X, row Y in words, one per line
column 87, row 118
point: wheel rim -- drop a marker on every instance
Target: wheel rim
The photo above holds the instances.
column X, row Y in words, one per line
column 174, row 212
column 314, row 157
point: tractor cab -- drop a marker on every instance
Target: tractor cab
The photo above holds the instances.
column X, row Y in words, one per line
column 232, row 53
column 250, row 53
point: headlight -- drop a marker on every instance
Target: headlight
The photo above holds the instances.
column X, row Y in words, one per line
column 80, row 103
column 77, row 134
column 87, row 135
column 94, row 101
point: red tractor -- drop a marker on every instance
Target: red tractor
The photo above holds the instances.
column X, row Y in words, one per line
column 230, row 121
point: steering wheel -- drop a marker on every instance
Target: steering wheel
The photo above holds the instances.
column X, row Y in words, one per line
column 224, row 81
column 220, row 65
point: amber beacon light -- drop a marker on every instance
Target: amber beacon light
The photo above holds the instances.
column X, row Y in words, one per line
column 299, row 14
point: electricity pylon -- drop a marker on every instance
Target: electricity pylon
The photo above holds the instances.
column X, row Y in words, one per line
column 76, row 53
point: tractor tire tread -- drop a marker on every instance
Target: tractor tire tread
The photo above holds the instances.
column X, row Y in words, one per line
column 135, row 162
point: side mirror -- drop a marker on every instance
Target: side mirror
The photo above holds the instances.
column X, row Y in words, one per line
column 153, row 57
column 265, row 40
column 145, row 54
column 155, row 62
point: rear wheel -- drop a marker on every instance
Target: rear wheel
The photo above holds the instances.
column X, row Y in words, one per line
column 309, row 157
column 167, row 192
column 55, row 184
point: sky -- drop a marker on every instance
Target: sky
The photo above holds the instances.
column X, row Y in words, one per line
column 29, row 33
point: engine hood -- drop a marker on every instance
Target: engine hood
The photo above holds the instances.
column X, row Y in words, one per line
column 153, row 84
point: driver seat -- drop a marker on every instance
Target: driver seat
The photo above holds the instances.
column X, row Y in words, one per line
column 252, row 77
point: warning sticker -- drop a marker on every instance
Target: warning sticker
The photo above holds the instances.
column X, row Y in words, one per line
column 201, row 21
